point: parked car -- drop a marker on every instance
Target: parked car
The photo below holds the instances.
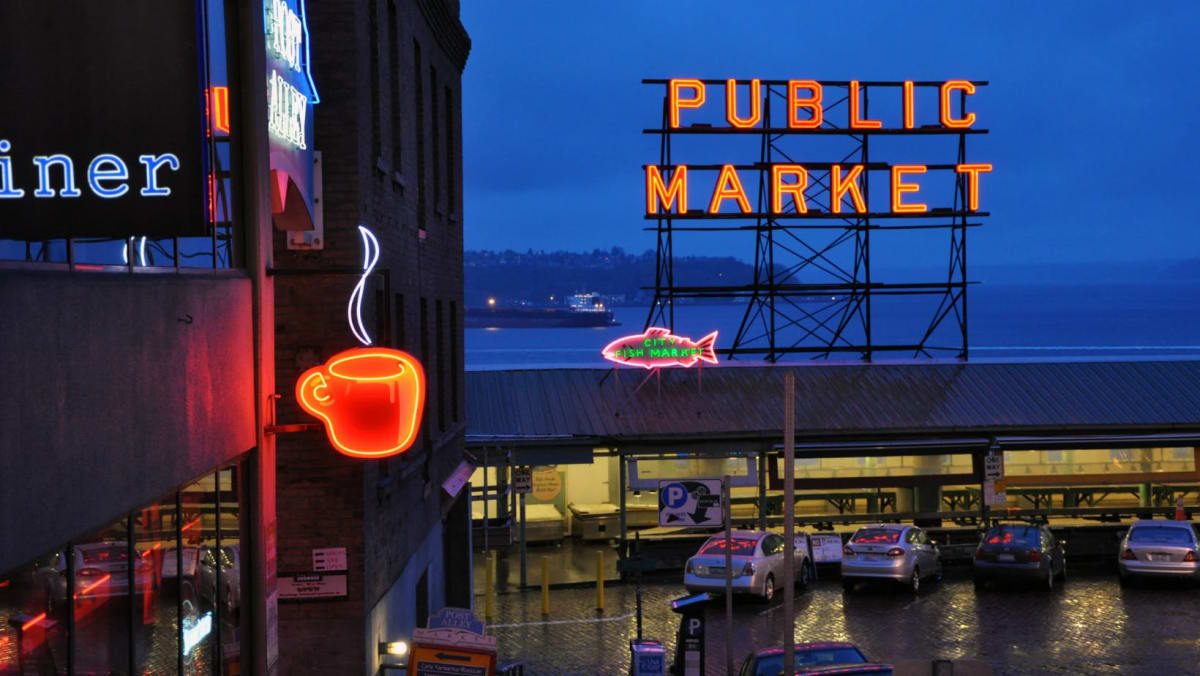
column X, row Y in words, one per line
column 1165, row 549
column 230, row 591
column 101, row 571
column 890, row 551
column 1020, row 551
column 769, row 662
column 757, row 558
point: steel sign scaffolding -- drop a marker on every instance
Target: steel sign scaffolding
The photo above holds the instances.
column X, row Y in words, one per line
column 812, row 289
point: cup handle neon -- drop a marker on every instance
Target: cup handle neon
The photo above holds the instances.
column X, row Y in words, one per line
column 314, row 388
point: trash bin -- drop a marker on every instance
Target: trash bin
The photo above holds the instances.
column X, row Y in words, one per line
column 647, row 657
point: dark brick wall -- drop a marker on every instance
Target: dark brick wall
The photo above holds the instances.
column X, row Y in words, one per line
column 380, row 510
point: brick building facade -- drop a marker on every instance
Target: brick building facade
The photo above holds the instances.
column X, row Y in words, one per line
column 389, row 129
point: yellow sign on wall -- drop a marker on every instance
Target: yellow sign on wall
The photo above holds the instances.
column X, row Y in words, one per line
column 438, row 661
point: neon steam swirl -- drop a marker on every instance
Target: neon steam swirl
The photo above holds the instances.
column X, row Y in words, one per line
column 354, row 308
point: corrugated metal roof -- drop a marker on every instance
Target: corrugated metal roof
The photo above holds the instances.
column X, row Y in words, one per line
column 838, row 400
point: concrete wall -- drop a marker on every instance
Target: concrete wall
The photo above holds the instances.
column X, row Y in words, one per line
column 394, row 617
column 116, row 389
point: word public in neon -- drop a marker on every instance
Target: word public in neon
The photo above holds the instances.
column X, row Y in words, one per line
column 370, row 399
column 667, row 187
column 657, row 347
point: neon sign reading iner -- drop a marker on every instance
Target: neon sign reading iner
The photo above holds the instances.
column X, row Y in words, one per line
column 657, row 347
column 106, row 175
column 788, row 182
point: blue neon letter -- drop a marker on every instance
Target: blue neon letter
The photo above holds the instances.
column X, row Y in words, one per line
column 153, row 162
column 7, row 191
column 118, row 172
column 43, row 163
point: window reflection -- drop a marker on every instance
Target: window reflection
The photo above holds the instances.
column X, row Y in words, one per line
column 199, row 534
column 156, row 635
column 33, row 630
column 100, row 597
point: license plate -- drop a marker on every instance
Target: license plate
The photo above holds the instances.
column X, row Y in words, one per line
column 1005, row 557
column 871, row 557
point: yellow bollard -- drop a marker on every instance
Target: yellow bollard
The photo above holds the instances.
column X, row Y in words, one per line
column 600, row 580
column 489, row 592
column 545, row 585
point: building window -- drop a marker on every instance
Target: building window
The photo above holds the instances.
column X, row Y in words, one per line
column 158, row 588
column 394, row 80
column 448, row 112
column 401, row 340
column 440, row 345
column 454, row 372
column 436, row 137
column 373, row 58
column 419, row 86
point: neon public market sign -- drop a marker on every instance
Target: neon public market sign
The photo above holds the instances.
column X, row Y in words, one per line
column 287, row 45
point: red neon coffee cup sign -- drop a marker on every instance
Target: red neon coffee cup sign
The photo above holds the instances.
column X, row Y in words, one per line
column 370, row 398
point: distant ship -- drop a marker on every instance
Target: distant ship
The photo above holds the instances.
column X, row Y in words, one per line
column 584, row 310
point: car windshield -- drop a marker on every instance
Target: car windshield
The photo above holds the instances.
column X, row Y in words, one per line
column 877, row 536
column 1164, row 534
column 111, row 554
column 772, row 665
column 741, row 547
column 1007, row 535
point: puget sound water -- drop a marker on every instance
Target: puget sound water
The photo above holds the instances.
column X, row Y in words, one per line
column 1051, row 322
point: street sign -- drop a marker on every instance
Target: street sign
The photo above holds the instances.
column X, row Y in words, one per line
column 329, row 558
column 688, row 503
column 312, row 586
column 993, row 466
column 439, row 661
column 523, row 479
column 993, row 493
column 827, row 548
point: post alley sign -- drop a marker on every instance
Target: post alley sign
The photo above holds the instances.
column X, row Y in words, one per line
column 807, row 110
column 102, row 120
column 291, row 95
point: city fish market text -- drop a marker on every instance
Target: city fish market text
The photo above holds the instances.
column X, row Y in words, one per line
column 659, row 347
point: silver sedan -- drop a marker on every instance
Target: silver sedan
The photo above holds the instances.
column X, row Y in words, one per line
column 890, row 551
column 1160, row 549
column 757, row 558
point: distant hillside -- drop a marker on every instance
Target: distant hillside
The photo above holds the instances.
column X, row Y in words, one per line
column 536, row 277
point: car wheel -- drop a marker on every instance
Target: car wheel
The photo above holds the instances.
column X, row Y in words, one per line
column 769, row 588
column 1050, row 579
column 914, row 583
column 980, row 584
column 848, row 585
column 937, row 573
column 1124, row 580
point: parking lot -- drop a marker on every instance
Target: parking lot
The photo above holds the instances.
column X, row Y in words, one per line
column 1089, row 625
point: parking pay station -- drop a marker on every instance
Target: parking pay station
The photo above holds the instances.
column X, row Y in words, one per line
column 647, row 657
column 689, row 642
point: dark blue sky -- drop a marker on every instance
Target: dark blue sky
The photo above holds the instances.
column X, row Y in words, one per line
column 1092, row 109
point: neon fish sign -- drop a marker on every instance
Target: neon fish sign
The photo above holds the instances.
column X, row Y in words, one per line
column 657, row 347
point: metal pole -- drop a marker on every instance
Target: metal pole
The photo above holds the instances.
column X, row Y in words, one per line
column 600, row 580
column 523, row 551
column 728, row 575
column 638, row 589
column 545, row 586
column 762, row 489
column 621, row 553
column 789, row 522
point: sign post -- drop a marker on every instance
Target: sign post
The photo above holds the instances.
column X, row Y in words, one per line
column 789, row 522
column 728, row 575
column 523, row 485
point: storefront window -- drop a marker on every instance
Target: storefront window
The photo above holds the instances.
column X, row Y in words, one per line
column 156, row 625
column 33, row 629
column 198, row 517
column 104, row 574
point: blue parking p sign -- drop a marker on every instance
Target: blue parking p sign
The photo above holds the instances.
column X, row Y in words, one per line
column 674, row 495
